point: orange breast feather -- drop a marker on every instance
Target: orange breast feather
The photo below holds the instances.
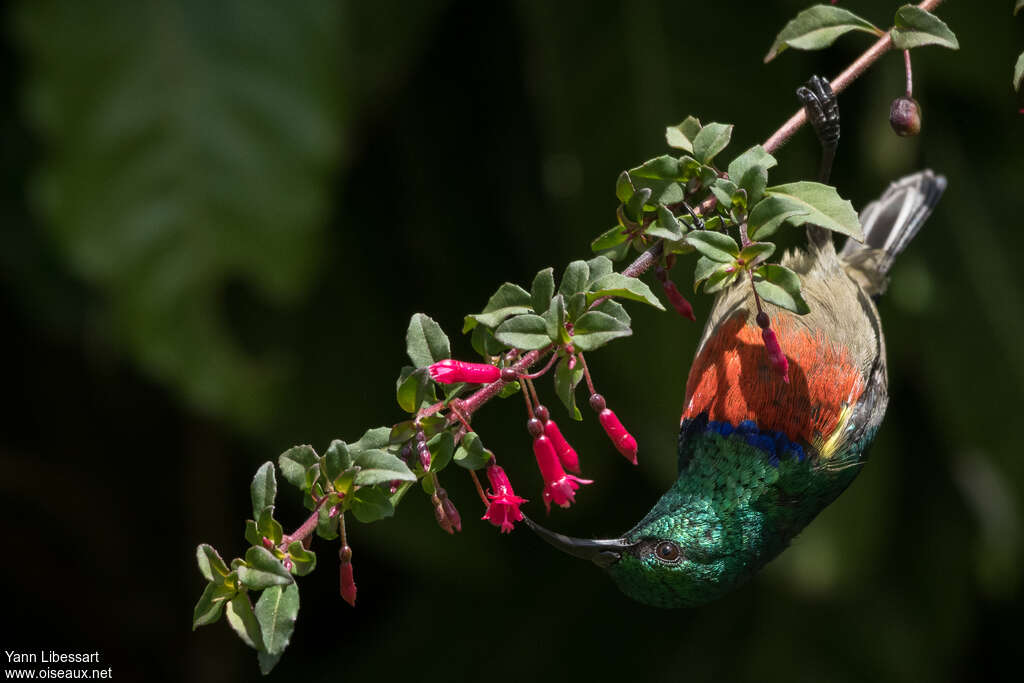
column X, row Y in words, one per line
column 732, row 380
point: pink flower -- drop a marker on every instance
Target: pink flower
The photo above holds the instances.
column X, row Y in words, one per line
column 559, row 487
column 677, row 300
column 622, row 440
column 566, row 453
column 348, row 582
column 503, row 510
column 451, row 371
column 775, row 355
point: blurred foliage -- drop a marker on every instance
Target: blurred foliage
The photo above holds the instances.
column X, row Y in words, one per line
column 228, row 197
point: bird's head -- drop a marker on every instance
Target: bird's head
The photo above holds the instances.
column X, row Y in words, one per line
column 667, row 560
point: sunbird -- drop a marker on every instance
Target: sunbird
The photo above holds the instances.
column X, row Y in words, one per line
column 759, row 458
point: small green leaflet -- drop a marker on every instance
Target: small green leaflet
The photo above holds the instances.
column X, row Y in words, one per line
column 915, row 27
column 211, row 604
column 263, row 489
column 509, row 300
column 276, row 611
column 262, row 570
column 716, row 246
column 242, row 619
column 818, row 27
column 378, row 466
column 682, row 135
column 595, row 329
column 211, row 565
column 781, row 286
column 623, row 286
column 369, row 504
column 1018, row 72
column 711, row 140
column 527, row 331
column 295, row 463
column 425, row 341
column 471, row 453
column 565, row 385
column 542, row 290
column 803, row 202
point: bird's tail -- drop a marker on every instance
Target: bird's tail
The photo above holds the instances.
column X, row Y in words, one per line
column 889, row 223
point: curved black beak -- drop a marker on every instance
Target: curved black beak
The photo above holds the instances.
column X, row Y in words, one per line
column 602, row 552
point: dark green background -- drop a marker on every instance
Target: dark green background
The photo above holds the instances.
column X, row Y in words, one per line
column 218, row 217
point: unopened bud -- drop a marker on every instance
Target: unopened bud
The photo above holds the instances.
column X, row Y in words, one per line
column 622, row 440
column 440, row 516
column 597, row 402
column 424, row 454
column 566, row 453
column 452, row 513
column 677, row 300
column 535, row 427
column 775, row 355
column 450, row 371
column 905, row 116
column 348, row 582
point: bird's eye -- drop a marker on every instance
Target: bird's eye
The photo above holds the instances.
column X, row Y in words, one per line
column 668, row 552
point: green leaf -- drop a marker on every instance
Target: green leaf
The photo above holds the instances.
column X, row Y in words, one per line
column 242, row 619
column 614, row 309
column 252, row 533
column 370, row 504
column 377, row 467
column 576, row 306
column 657, row 181
column 624, row 188
column 681, row 136
column 595, row 329
column 818, row 27
column 471, row 453
column 414, row 389
column 509, row 300
column 565, row 385
column 377, row 437
column 509, row 389
column 263, row 489
column 267, row 526
column 267, row 661
column 554, row 319
column 336, row 459
column 294, row 464
column 484, row 343
column 617, row 284
column 915, row 27
column 705, row 268
column 634, row 210
column 425, row 341
column 442, row 447
column 526, row 332
column 574, row 279
column 716, row 246
column 711, row 140
column 326, row 525
column 720, row 279
column 211, row 565
column 303, row 561
column 542, row 290
column 599, row 267
column 211, row 604
column 803, row 202
column 159, row 199
column 276, row 611
column 755, row 157
column 262, row 570
column 755, row 252
column 666, row 227
column 609, row 239
column 1018, row 72
column 781, row 286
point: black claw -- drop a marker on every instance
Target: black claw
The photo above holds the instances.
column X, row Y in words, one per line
column 823, row 113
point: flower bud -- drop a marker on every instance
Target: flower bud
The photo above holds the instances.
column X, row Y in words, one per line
column 677, row 300
column 348, row 582
column 622, row 440
column 451, row 512
column 775, row 355
column 597, row 402
column 440, row 515
column 905, row 116
column 450, row 371
column 535, row 427
column 566, row 453
column 424, row 453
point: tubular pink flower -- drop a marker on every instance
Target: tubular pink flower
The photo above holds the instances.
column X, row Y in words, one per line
column 775, row 355
column 622, row 440
column 566, row 453
column 451, row 371
column 348, row 582
column 678, row 301
column 559, row 487
column 503, row 510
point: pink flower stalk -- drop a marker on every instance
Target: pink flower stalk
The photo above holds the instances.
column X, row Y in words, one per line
column 622, row 440
column 566, row 453
column 503, row 510
column 559, row 487
column 677, row 300
column 451, row 371
column 348, row 582
column 775, row 355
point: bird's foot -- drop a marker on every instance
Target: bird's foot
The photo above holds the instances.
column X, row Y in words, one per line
column 823, row 114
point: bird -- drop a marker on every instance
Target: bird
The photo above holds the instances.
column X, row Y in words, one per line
column 759, row 458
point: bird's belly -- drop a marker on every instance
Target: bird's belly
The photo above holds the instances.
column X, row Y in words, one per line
column 731, row 380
